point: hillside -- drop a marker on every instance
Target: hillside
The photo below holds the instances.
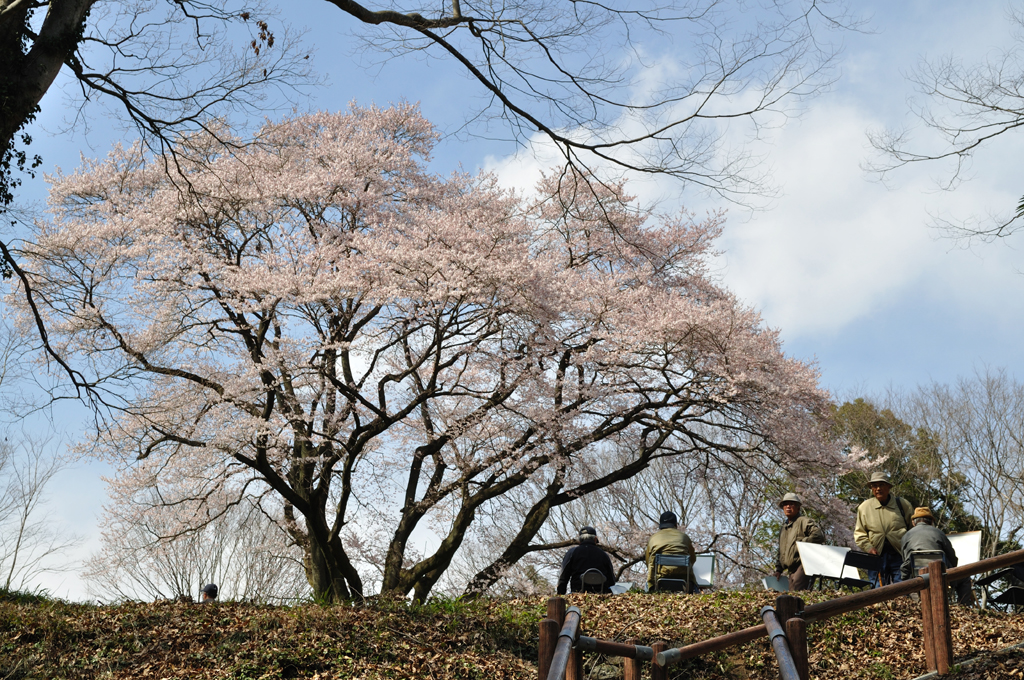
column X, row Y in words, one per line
column 448, row 639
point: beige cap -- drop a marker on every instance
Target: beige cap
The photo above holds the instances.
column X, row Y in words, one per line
column 879, row 477
column 790, row 498
column 922, row 512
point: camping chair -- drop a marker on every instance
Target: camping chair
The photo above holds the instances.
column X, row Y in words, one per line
column 855, row 560
column 1011, row 595
column 919, row 559
column 593, row 581
column 675, row 585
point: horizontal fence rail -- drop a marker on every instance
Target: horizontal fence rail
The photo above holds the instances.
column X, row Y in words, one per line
column 609, row 648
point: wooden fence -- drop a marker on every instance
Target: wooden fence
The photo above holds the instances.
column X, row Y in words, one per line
column 562, row 643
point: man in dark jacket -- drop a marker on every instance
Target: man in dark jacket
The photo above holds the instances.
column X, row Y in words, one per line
column 581, row 559
column 924, row 535
column 797, row 527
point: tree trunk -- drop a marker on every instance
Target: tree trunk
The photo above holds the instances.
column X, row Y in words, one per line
column 329, row 571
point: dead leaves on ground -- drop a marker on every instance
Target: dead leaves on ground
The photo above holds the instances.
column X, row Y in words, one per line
column 449, row 640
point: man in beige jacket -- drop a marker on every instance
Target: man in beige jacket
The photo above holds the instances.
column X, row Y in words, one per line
column 881, row 522
column 797, row 527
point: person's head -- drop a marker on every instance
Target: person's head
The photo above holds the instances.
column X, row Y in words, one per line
column 668, row 520
column 922, row 516
column 880, row 486
column 790, row 505
column 588, row 535
column 209, row 592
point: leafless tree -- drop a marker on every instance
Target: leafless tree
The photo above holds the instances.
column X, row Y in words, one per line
column 242, row 549
column 980, row 423
column 966, row 106
column 588, row 76
column 570, row 72
column 31, row 544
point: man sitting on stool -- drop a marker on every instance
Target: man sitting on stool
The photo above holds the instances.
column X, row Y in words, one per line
column 582, row 558
column 669, row 540
column 925, row 536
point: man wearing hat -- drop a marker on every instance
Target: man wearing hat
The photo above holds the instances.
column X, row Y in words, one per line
column 924, row 535
column 669, row 540
column 796, row 527
column 881, row 523
column 582, row 558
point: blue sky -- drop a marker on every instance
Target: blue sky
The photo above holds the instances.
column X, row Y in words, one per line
column 845, row 266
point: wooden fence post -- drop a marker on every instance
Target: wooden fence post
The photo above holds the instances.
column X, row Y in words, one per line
column 796, row 633
column 927, row 629
column 630, row 667
column 658, row 672
column 942, row 636
column 546, row 649
column 786, row 608
column 556, row 610
column 549, row 629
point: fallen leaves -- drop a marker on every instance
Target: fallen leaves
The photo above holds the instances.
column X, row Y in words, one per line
column 452, row 640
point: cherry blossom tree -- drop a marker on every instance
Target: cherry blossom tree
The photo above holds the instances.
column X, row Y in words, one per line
column 318, row 319
column 605, row 86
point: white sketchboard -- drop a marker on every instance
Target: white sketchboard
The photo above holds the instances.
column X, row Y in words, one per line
column 780, row 584
column 967, row 547
column 825, row 560
column 621, row 587
column 704, row 570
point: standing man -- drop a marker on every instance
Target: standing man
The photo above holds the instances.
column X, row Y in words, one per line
column 669, row 540
column 584, row 557
column 797, row 527
column 881, row 523
column 924, row 535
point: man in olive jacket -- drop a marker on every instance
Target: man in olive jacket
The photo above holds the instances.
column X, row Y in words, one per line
column 797, row 527
column 881, row 523
column 669, row 540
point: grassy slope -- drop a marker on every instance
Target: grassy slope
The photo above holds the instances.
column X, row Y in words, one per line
column 450, row 640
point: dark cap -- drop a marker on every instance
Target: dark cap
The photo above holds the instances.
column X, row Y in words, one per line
column 210, row 589
column 668, row 520
column 588, row 535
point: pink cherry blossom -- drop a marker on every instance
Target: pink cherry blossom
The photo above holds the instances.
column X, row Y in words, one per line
column 317, row 319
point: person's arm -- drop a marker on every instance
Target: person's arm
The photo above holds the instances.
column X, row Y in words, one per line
column 778, row 555
column 649, row 558
column 905, row 570
column 860, row 535
column 691, row 552
column 813, row 533
column 563, row 576
column 947, row 548
column 609, row 573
